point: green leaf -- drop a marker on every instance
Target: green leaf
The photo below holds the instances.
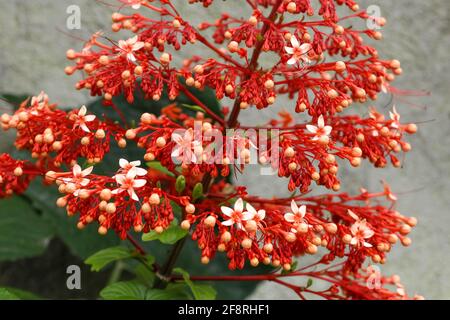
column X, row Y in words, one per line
column 180, row 184
column 194, row 108
column 156, row 165
column 197, row 192
column 82, row 243
column 6, row 294
column 20, row 294
column 102, row 258
column 23, row 233
column 144, row 275
column 170, row 236
column 200, row 291
column 14, row 99
column 172, row 292
column 310, row 283
column 125, row 290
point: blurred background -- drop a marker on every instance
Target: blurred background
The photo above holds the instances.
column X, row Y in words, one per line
column 33, row 41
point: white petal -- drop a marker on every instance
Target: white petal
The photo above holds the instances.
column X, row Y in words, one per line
column 354, row 241
column 131, row 174
column 117, row 191
column 261, row 214
column 84, row 127
column 294, row 207
column 87, row 171
column 135, row 163
column 320, row 122
column 289, row 50
column 141, row 171
column 120, row 179
column 305, row 47
column 227, row 223
column 131, row 57
column 292, row 61
column 89, row 118
column 352, row 214
column 84, row 182
column 250, row 209
column 247, row 216
column 327, row 130
column 239, row 205
column 76, row 170
column 367, row 245
column 311, row 128
column 302, row 211
column 227, row 211
column 138, row 46
column 289, row 217
column 177, row 138
column 176, row 152
column 295, row 42
column 139, row 183
column 122, row 44
column 132, row 40
column 82, row 111
column 133, row 195
column 123, row 163
column 136, row 6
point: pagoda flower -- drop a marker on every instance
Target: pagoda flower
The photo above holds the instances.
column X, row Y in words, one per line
column 128, row 183
column 79, row 176
column 81, row 119
column 185, row 146
column 129, row 46
column 257, row 215
column 298, row 52
column 321, row 131
column 395, row 117
column 297, row 214
column 236, row 215
column 132, row 166
column 360, row 231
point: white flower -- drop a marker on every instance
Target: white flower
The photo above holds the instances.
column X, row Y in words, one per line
column 135, row 4
column 395, row 116
column 257, row 216
column 132, row 166
column 129, row 183
column 236, row 215
column 78, row 176
column 82, row 119
column 185, row 146
column 361, row 231
column 321, row 130
column 129, row 46
column 297, row 214
column 299, row 52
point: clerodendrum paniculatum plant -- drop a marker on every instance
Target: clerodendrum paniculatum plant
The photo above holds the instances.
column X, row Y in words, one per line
column 322, row 65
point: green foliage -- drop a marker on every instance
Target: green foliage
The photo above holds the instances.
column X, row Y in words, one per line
column 197, row 192
column 170, row 236
column 200, row 291
column 180, row 184
column 16, row 294
column 104, row 257
column 23, row 233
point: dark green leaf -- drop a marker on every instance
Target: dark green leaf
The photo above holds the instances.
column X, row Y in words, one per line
column 197, row 193
column 170, row 236
column 156, row 165
column 180, row 184
column 172, row 292
column 6, row 294
column 200, row 291
column 20, row 294
column 102, row 258
column 23, row 233
column 125, row 290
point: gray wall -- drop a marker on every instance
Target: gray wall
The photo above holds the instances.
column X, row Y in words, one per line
column 33, row 41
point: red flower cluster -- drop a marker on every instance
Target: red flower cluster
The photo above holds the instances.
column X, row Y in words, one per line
column 225, row 218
